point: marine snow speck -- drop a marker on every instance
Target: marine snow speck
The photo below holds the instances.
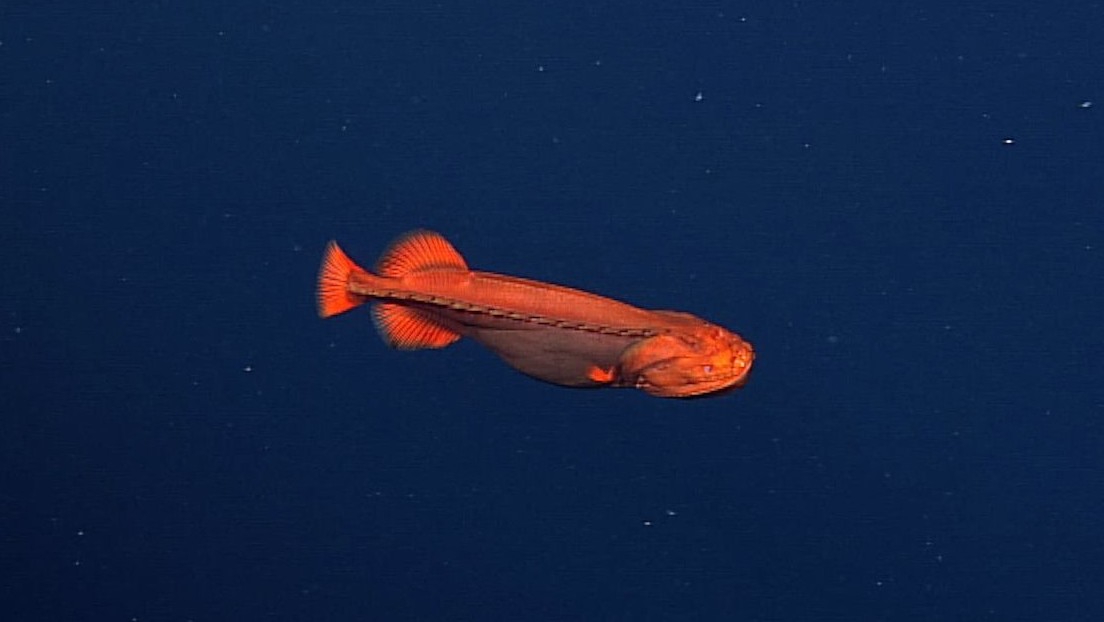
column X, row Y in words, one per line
column 425, row 296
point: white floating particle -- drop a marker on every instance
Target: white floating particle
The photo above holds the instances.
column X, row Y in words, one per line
column 1009, row 141
column 1085, row 104
column 698, row 97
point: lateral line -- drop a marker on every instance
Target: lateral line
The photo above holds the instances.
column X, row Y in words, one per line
column 467, row 307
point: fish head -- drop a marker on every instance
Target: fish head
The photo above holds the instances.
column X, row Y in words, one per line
column 691, row 362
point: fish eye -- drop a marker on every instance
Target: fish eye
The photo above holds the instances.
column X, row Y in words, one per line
column 707, row 369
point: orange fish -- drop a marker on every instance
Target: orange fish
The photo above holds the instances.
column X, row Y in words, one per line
column 425, row 296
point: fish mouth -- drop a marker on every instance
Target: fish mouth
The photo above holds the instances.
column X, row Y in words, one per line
column 714, row 386
column 717, row 387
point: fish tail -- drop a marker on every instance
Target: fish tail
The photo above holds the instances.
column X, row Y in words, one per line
column 334, row 296
column 400, row 325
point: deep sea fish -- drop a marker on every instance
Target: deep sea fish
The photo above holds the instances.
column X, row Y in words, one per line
column 425, row 296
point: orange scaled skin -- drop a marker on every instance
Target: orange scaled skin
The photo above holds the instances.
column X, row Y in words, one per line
column 427, row 297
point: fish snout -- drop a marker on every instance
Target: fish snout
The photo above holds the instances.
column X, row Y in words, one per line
column 732, row 359
column 742, row 356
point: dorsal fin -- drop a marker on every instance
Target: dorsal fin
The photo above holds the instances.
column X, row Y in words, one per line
column 416, row 251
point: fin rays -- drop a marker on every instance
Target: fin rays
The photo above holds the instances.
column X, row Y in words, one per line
column 409, row 329
column 419, row 250
column 334, row 296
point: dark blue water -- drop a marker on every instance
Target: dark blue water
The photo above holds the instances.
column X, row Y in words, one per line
column 900, row 205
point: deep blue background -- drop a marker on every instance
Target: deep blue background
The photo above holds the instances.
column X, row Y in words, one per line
column 900, row 204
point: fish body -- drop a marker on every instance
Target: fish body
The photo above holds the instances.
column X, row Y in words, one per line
column 425, row 296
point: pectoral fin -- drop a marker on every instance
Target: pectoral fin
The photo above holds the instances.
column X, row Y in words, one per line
column 602, row 376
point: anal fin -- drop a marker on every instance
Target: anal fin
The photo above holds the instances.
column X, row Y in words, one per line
column 410, row 329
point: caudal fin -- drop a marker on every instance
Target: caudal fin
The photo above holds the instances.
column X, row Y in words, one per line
column 333, row 282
